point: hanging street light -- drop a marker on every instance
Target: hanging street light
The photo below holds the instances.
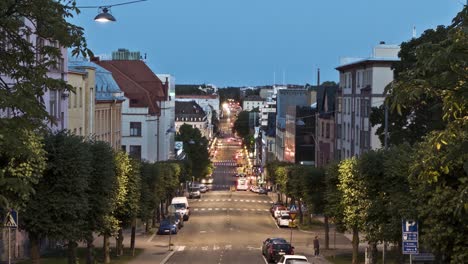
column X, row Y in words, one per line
column 104, row 14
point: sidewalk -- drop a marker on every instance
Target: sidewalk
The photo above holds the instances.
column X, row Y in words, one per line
column 153, row 251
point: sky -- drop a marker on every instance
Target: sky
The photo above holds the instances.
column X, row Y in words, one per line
column 257, row 42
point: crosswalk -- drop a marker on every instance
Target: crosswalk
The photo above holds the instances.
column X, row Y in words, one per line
column 215, row 247
column 230, row 209
column 234, row 200
column 228, row 163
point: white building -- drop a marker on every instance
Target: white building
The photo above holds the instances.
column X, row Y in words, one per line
column 192, row 114
column 362, row 84
column 208, row 103
column 252, row 102
column 146, row 114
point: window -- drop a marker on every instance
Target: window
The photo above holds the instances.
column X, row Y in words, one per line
column 53, row 103
column 357, row 107
column 81, row 97
column 349, row 133
column 321, row 125
column 357, row 136
column 124, row 148
column 327, row 135
column 135, row 129
column 135, row 151
column 338, row 131
column 365, row 108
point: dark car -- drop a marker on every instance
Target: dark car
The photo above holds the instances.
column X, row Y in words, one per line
column 167, row 227
column 262, row 190
column 270, row 240
column 276, row 250
column 179, row 220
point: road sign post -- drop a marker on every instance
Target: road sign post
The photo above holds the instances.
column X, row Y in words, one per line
column 292, row 215
column 10, row 221
column 410, row 237
column 171, row 211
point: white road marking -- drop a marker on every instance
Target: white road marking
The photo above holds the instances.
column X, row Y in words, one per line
column 229, row 200
column 195, row 209
column 228, row 247
column 202, row 232
column 210, row 209
column 246, row 209
column 216, row 209
column 204, row 248
column 181, row 248
column 215, row 247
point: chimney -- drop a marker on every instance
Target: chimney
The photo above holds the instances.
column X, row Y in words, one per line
column 382, row 42
column 95, row 59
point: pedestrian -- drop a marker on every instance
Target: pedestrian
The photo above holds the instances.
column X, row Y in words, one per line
column 316, row 246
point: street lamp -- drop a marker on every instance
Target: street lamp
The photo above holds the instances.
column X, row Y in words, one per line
column 104, row 14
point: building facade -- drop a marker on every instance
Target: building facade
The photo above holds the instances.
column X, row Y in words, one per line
column 192, row 114
column 146, row 95
column 325, row 126
column 362, row 84
column 209, row 103
column 251, row 102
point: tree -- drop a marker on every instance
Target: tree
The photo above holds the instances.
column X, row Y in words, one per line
column 196, row 148
column 241, row 125
column 354, row 200
column 439, row 173
column 59, row 207
column 101, row 195
column 229, row 93
column 24, row 79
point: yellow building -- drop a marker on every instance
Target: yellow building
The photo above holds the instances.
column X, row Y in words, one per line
column 81, row 103
column 105, row 114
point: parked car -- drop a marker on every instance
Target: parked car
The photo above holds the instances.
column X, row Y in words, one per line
column 274, row 207
column 270, row 240
column 262, row 190
column 166, row 227
column 293, row 259
column 276, row 250
column 254, row 188
column 203, row 188
column 194, row 192
column 179, row 220
column 283, row 220
column 277, row 210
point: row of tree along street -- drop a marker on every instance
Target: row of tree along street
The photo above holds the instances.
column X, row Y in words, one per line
column 423, row 175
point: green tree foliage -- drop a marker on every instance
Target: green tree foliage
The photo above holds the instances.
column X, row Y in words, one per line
column 334, row 208
column 196, row 148
column 241, row 125
column 101, row 194
column 439, row 169
column 59, row 207
column 22, row 161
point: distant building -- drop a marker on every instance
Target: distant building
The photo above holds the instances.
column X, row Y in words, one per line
column 300, row 135
column 325, row 128
column 125, row 54
column 266, row 92
column 286, row 98
column 362, row 84
column 209, row 103
column 192, row 114
column 251, row 102
column 147, row 97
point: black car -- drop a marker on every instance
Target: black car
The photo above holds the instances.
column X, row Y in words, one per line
column 270, row 240
column 276, row 250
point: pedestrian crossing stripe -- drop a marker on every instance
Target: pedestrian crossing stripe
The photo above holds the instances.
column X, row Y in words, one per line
column 230, row 209
column 230, row 200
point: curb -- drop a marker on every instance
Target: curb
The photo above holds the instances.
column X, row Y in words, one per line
column 169, row 256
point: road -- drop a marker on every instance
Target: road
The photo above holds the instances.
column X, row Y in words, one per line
column 229, row 227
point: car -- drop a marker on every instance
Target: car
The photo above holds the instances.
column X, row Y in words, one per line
column 270, row 240
column 273, row 207
column 276, row 210
column 262, row 190
column 182, row 206
column 293, row 259
column 284, row 219
column 203, row 188
column 278, row 213
column 167, row 227
column 179, row 220
column 254, row 188
column 194, row 192
column 276, row 250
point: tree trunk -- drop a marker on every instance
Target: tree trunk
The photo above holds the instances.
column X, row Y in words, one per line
column 35, row 252
column 132, row 239
column 158, row 215
column 155, row 216
column 327, row 232
column 162, row 210
column 90, row 249
column 106, row 249
column 147, row 224
column 119, row 243
column 301, row 217
column 72, row 252
column 372, row 253
column 279, row 196
column 398, row 253
column 355, row 246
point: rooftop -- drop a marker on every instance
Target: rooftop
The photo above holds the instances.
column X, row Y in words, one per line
column 188, row 109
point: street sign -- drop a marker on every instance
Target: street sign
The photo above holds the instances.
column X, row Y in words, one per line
column 11, row 219
column 292, row 207
column 179, row 145
column 410, row 236
column 293, row 215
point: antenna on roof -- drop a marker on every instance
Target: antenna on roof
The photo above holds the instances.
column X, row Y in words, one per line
column 414, row 31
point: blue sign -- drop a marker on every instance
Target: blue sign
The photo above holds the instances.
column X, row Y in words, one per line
column 293, row 207
column 11, row 219
column 410, row 236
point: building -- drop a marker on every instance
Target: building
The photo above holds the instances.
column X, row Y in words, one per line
column 362, row 84
column 192, row 114
column 167, row 149
column 81, row 103
column 299, row 137
column 286, row 98
column 325, row 128
column 146, row 97
column 209, row 103
column 251, row 102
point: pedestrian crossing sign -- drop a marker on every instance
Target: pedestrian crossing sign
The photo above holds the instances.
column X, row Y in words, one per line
column 292, row 215
column 11, row 219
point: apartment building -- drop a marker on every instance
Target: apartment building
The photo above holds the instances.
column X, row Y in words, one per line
column 362, row 84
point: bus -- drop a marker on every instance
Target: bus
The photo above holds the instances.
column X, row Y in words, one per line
column 242, row 184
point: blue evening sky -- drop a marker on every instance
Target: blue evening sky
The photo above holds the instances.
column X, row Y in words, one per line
column 245, row 42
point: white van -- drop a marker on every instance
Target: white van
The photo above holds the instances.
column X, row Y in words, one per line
column 182, row 206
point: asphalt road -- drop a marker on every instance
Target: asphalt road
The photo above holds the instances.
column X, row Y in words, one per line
column 225, row 226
